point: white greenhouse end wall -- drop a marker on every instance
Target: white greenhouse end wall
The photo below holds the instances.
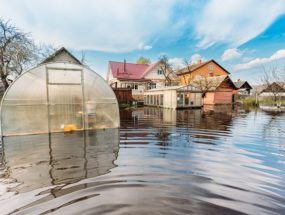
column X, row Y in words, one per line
column 58, row 97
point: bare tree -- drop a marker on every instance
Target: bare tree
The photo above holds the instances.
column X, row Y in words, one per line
column 207, row 84
column 203, row 83
column 187, row 77
column 43, row 51
column 17, row 51
column 167, row 71
column 143, row 60
column 273, row 81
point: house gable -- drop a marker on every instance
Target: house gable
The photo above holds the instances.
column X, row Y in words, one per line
column 153, row 73
column 62, row 55
column 242, row 85
column 226, row 85
column 210, row 68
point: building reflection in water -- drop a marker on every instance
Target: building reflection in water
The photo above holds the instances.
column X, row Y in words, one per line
column 37, row 161
column 209, row 117
column 203, row 126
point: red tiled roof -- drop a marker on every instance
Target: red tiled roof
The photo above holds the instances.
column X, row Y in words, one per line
column 132, row 71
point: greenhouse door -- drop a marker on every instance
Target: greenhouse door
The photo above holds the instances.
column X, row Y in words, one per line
column 65, row 100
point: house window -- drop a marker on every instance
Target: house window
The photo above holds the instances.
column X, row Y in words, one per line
column 159, row 72
column 186, row 98
column 211, row 67
column 180, row 99
column 152, row 85
column 161, row 99
column 211, row 74
column 134, row 86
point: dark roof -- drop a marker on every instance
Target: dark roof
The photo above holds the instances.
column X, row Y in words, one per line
column 274, row 87
column 58, row 52
column 194, row 67
column 242, row 84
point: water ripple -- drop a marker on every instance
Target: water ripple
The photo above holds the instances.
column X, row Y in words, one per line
column 227, row 161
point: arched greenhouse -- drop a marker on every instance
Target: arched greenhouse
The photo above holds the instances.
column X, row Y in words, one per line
column 59, row 95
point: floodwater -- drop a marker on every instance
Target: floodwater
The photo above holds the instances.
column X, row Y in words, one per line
column 217, row 160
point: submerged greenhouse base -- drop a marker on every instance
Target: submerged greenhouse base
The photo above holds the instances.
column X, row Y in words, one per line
column 58, row 97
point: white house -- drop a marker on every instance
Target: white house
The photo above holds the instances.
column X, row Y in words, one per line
column 138, row 77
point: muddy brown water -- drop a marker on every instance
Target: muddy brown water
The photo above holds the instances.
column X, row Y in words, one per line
column 215, row 160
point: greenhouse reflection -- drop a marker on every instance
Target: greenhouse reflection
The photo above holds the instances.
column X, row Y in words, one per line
column 37, row 161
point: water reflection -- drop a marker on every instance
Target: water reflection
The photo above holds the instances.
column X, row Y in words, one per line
column 217, row 160
column 37, row 161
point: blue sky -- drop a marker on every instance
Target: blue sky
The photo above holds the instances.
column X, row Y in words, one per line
column 243, row 36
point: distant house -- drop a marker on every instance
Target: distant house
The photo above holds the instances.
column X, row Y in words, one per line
column 138, row 77
column 243, row 88
column 274, row 89
column 221, row 93
column 174, row 97
column 204, row 69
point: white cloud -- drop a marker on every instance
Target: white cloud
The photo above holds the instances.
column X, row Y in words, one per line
column 260, row 61
column 231, row 54
column 177, row 63
column 142, row 46
column 235, row 22
column 103, row 25
column 195, row 57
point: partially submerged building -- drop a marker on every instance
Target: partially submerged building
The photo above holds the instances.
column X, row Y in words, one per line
column 174, row 97
column 221, row 92
column 58, row 95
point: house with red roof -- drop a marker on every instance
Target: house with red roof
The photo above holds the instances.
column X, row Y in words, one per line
column 138, row 77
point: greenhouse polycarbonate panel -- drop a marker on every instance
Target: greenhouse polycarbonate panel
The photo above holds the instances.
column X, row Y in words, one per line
column 29, row 89
column 24, row 119
column 52, row 96
column 107, row 115
column 96, row 88
column 64, row 76
column 65, row 107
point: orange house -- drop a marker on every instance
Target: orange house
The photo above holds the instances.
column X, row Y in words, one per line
column 223, row 93
column 206, row 69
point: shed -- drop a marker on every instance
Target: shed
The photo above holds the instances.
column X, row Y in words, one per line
column 174, row 97
column 58, row 95
column 221, row 93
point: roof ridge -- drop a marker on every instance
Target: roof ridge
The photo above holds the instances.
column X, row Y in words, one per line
column 130, row 63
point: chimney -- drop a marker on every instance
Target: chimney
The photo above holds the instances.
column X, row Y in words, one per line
column 125, row 71
column 199, row 61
